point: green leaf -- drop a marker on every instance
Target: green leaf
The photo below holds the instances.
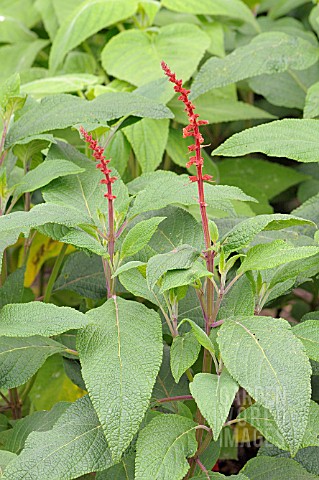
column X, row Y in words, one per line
column 181, row 257
column 226, row 8
column 310, row 211
column 59, row 84
column 13, row 288
column 292, row 138
column 214, row 395
column 282, row 7
column 270, row 52
column 90, row 17
column 134, row 55
column 119, row 366
column 261, row 419
column 37, row 318
column 44, row 174
column 5, row 459
column 62, row 111
column 165, row 385
column 14, row 31
column 268, row 177
column 220, row 476
column 179, row 278
column 21, row 358
column 240, row 300
column 242, row 234
column 122, row 471
column 139, row 236
column 267, row 468
column 127, row 266
column 270, row 255
column 148, row 139
column 22, row 10
column 163, row 447
column 266, row 359
column 19, row 57
column 201, row 336
column 307, row 457
column 178, row 189
column 48, row 16
column 312, row 102
column 308, row 333
column 9, row 88
column 184, row 352
column 75, row 446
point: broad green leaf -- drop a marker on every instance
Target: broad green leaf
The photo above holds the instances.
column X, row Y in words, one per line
column 226, row 8
column 128, row 266
column 22, row 10
column 9, row 88
column 44, row 174
column 178, row 189
column 214, row 395
column 261, row 419
column 282, row 7
column 139, row 236
column 75, row 446
column 242, row 234
column 310, row 211
column 119, row 366
column 220, row 476
column 165, row 385
column 267, row 468
column 134, row 55
column 184, row 352
column 90, row 17
column 312, row 102
column 179, row 278
column 300, row 268
column 273, row 254
column 180, row 258
column 59, row 84
column 21, row 358
column 62, row 111
column 265, row 358
column 201, row 336
column 14, row 31
column 271, row 52
column 13, row 288
column 148, row 139
column 269, row 177
column 48, row 16
column 122, row 471
column 18, row 57
column 5, row 459
column 38, row 421
column 240, row 300
column 119, row 150
column 37, row 318
column 308, row 333
column 134, row 282
column 291, row 138
column 163, row 447
column 307, row 457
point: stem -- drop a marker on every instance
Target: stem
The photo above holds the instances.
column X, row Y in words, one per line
column 15, row 403
column 55, row 273
column 179, row 398
column 5, row 398
column 3, row 139
column 202, row 467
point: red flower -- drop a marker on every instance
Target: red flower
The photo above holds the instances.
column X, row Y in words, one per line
column 98, row 154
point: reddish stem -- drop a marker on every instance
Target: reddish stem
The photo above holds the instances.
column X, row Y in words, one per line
column 175, row 399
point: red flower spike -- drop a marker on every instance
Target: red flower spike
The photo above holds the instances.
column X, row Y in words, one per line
column 207, row 177
column 193, row 178
column 98, row 152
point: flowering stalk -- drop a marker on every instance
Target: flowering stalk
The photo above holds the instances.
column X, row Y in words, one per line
column 108, row 180
column 192, row 130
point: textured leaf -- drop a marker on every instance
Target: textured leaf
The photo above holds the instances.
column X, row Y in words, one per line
column 282, row 7
column 13, row 288
column 22, row 357
column 184, row 352
column 14, row 31
column 240, row 300
column 122, row 471
column 178, row 189
column 134, row 55
column 9, row 88
column 291, row 138
column 267, row 468
column 214, row 395
column 180, row 258
column 270, row 255
column 62, row 111
column 18, row 57
column 163, row 446
column 228, row 8
column 201, row 336
column 5, row 459
column 308, row 333
column 75, row 446
column 38, row 421
column 307, row 457
column 37, row 318
column 312, row 102
column 148, row 139
column 242, row 234
column 220, row 476
column 310, row 211
column 44, row 174
column 139, row 236
column 119, row 366
column 90, row 17
column 260, row 418
column 179, row 278
column 270, row 52
column 59, row 84
column 266, row 359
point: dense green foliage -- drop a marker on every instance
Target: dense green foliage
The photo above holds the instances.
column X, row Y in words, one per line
column 136, row 340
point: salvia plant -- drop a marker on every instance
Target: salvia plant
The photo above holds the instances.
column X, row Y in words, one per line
column 158, row 314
